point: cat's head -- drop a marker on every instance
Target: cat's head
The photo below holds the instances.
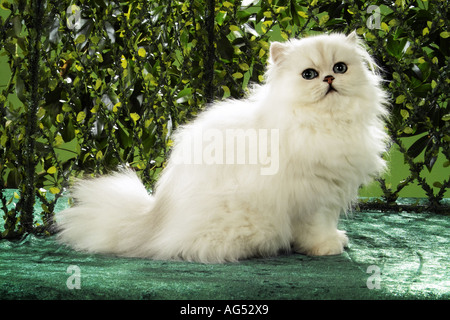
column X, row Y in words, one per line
column 322, row 68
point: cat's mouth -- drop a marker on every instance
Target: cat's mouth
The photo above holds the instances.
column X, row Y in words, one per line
column 330, row 89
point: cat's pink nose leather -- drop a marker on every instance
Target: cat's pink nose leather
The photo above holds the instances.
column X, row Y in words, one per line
column 328, row 79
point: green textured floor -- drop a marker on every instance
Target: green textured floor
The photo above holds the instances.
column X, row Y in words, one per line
column 398, row 255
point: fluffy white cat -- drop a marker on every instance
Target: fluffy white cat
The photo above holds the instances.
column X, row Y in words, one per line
column 251, row 177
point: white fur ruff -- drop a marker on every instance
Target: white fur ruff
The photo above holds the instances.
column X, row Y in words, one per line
column 323, row 148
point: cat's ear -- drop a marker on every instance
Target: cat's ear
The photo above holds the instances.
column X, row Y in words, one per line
column 277, row 51
column 353, row 37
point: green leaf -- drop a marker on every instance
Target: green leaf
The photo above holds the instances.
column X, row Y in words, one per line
column 433, row 84
column 20, row 89
column 117, row 106
column 227, row 4
column 400, row 99
column 244, row 66
column 262, row 52
column 80, row 39
column 52, row 170
column 183, row 93
column 52, row 84
column 237, row 75
column 437, row 184
column 324, row 19
column 408, row 130
column 54, row 190
column 99, row 155
column 417, row 147
column 142, row 53
column 226, row 92
column 302, row 14
column 4, row 140
column 5, row 5
column 98, row 84
column 404, row 113
column 220, row 17
column 123, row 62
column 135, row 117
column 395, row 46
column 81, row 116
column 59, row 118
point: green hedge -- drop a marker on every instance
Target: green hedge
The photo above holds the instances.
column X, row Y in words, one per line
column 104, row 83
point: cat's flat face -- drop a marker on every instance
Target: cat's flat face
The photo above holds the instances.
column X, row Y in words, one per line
column 320, row 68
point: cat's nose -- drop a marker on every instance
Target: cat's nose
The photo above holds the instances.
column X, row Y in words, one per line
column 328, row 79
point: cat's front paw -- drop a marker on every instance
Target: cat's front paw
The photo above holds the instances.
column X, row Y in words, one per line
column 331, row 246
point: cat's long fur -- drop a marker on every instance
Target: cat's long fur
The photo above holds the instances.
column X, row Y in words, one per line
column 328, row 146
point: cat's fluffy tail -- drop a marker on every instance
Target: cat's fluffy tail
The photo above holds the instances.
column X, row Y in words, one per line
column 107, row 214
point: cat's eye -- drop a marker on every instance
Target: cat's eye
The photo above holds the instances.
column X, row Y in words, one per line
column 340, row 67
column 310, row 74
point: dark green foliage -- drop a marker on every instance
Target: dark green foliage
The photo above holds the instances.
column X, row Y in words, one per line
column 104, row 83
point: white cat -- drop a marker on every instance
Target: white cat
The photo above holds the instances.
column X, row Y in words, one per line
column 252, row 177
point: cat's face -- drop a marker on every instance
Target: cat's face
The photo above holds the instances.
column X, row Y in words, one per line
column 319, row 69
